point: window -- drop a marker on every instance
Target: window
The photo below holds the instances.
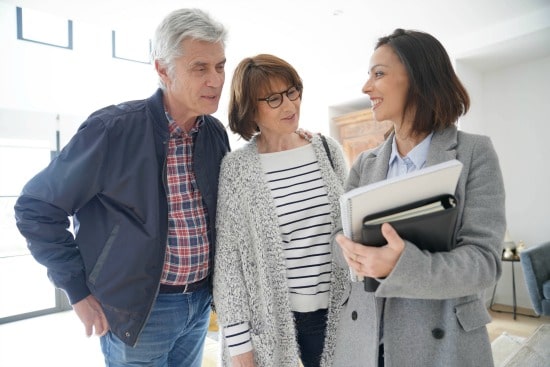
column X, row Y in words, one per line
column 24, row 287
column 43, row 28
column 131, row 46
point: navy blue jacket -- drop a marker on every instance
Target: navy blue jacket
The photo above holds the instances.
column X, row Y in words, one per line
column 111, row 179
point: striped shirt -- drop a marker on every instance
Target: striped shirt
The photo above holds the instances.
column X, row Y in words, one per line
column 187, row 252
column 302, row 206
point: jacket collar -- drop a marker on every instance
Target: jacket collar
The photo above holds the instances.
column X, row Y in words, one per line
column 443, row 146
column 442, row 149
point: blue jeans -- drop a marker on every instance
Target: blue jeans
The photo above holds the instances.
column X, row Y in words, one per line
column 311, row 330
column 173, row 335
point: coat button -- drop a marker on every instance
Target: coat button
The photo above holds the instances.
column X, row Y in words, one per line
column 127, row 334
column 438, row 333
column 354, row 315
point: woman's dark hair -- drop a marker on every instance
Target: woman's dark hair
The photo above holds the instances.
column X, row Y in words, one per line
column 434, row 88
column 252, row 80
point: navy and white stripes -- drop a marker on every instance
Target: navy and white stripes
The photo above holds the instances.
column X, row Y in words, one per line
column 300, row 198
column 303, row 210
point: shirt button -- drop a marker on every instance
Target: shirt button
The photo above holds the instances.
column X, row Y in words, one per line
column 127, row 334
column 438, row 333
column 354, row 315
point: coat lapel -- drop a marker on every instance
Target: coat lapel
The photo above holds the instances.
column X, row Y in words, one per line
column 443, row 146
column 442, row 149
column 377, row 162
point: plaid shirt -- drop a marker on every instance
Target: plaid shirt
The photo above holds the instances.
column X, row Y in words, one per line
column 187, row 253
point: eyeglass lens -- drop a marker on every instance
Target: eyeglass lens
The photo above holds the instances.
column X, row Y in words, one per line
column 275, row 100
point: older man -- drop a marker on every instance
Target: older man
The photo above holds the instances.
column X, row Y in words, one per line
column 140, row 180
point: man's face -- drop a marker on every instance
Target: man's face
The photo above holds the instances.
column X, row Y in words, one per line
column 195, row 85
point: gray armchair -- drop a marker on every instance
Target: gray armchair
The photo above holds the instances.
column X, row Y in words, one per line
column 535, row 262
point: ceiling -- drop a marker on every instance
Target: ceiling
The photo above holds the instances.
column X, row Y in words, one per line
column 331, row 40
column 444, row 17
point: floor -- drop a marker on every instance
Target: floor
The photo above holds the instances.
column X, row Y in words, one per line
column 504, row 322
column 58, row 340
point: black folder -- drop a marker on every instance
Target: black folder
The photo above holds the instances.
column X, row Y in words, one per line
column 429, row 224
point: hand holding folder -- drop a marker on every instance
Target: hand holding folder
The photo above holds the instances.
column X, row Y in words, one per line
column 429, row 224
column 422, row 200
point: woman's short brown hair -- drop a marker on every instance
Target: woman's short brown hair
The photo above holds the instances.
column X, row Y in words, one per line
column 434, row 88
column 252, row 78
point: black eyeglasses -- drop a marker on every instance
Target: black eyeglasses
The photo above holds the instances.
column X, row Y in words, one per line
column 276, row 99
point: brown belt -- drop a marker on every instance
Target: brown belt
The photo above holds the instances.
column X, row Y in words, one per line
column 185, row 288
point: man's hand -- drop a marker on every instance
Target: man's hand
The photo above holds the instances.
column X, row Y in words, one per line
column 243, row 360
column 91, row 314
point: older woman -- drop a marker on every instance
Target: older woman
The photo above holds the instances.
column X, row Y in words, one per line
column 275, row 284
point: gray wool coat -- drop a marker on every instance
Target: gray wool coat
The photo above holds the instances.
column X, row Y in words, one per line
column 434, row 312
column 250, row 270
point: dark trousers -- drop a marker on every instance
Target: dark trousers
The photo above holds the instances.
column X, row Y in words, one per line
column 381, row 355
column 311, row 330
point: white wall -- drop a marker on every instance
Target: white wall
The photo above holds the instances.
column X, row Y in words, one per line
column 517, row 110
column 511, row 105
column 48, row 81
column 54, row 80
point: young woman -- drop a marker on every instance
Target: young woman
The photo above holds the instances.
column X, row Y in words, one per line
column 429, row 308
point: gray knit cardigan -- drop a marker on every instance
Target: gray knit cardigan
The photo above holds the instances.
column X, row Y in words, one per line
column 250, row 271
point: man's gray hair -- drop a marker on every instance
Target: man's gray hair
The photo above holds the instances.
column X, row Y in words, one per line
column 178, row 26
